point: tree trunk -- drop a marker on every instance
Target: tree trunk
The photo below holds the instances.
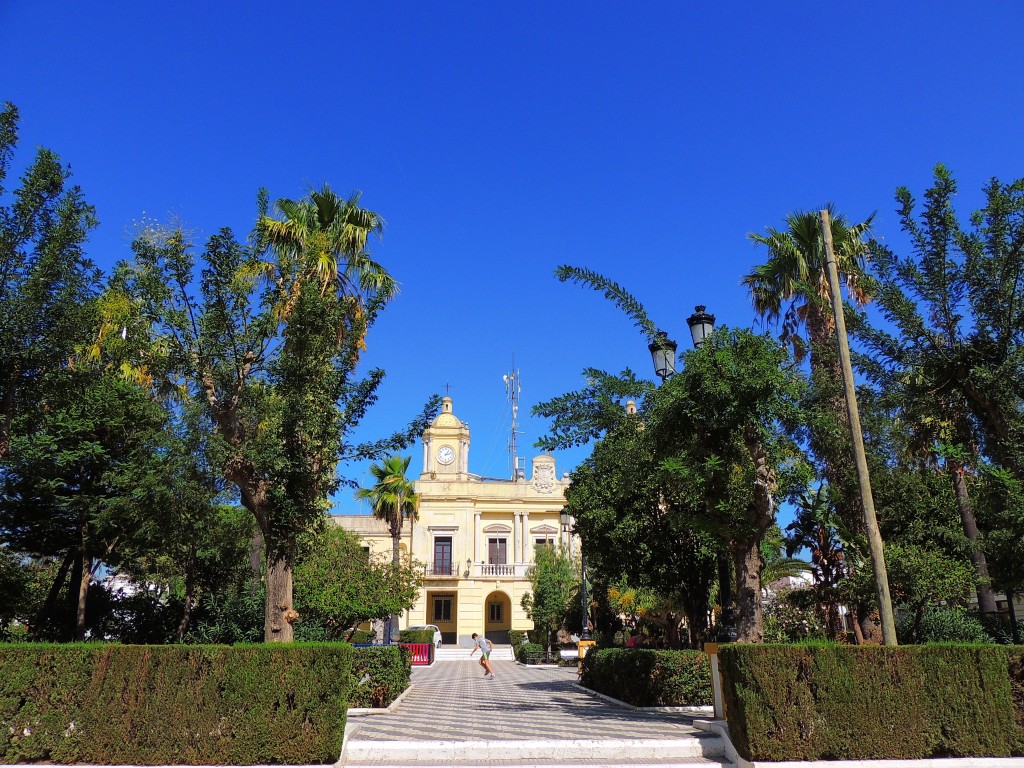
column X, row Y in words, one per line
column 83, row 594
column 858, row 633
column 46, row 612
column 279, row 613
column 1010, row 595
column 256, row 553
column 870, row 628
column 986, row 600
column 396, row 561
column 186, row 613
column 746, row 557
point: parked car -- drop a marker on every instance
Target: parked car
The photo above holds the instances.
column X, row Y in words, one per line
column 437, row 633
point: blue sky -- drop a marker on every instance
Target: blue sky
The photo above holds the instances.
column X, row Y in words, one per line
column 498, row 141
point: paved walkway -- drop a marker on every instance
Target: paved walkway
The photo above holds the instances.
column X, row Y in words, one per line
column 453, row 701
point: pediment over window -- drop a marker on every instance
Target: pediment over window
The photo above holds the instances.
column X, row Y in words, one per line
column 498, row 528
column 544, row 529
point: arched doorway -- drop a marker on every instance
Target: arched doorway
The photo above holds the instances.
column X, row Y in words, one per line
column 497, row 617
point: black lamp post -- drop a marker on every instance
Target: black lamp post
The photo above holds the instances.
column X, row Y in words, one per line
column 663, row 352
column 701, row 325
column 566, row 520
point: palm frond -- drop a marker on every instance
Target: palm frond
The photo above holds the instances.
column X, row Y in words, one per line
column 615, row 293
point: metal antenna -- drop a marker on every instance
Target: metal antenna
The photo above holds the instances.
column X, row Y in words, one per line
column 512, row 389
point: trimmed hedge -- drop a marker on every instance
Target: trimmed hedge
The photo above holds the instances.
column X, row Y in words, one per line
column 362, row 636
column 175, row 704
column 645, row 677
column 1016, row 668
column 416, row 636
column 516, row 637
column 379, row 675
column 837, row 702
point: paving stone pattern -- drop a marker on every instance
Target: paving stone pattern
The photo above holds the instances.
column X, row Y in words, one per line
column 453, row 701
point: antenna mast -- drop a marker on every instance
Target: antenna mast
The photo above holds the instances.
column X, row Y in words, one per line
column 513, row 388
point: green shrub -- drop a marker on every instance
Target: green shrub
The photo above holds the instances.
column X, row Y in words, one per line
column 362, row 636
column 379, row 675
column 530, row 653
column 516, row 637
column 416, row 636
column 792, row 617
column 942, row 625
column 837, row 702
column 160, row 705
column 649, row 678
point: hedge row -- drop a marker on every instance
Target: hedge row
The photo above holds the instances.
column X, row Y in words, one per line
column 379, row 675
column 649, row 678
column 834, row 702
column 186, row 705
column 416, row 636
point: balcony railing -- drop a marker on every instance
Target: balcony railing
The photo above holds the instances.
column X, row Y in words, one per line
column 439, row 569
column 448, row 570
column 497, row 570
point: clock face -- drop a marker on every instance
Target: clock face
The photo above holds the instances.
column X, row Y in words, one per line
column 445, row 454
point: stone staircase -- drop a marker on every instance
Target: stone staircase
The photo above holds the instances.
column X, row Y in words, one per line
column 697, row 751
column 454, row 653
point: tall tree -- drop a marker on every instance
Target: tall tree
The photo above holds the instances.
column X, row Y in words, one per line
column 338, row 586
column 954, row 362
column 270, row 346
column 630, row 530
column 393, row 498
column 46, row 281
column 554, row 583
column 791, row 289
column 720, row 428
column 63, row 491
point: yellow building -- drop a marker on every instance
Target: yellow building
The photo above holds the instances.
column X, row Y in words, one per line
column 475, row 536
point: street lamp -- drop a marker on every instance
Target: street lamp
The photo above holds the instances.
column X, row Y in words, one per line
column 663, row 353
column 566, row 520
column 701, row 325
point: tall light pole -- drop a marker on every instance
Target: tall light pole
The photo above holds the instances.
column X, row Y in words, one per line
column 885, row 612
column 566, row 520
column 663, row 355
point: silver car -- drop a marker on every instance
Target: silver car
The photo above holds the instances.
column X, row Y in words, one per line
column 437, row 633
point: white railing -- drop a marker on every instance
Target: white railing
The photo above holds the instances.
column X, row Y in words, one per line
column 504, row 571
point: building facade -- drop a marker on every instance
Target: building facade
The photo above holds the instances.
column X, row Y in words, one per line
column 475, row 536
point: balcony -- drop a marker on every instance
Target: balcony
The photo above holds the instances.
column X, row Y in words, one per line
column 440, row 569
column 488, row 570
column 447, row 570
column 503, row 571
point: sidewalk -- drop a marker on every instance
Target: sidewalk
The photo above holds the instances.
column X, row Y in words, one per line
column 452, row 700
column 526, row 716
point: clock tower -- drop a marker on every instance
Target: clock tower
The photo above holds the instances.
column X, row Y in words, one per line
column 446, row 446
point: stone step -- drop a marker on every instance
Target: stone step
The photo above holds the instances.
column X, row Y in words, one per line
column 500, row 653
column 703, row 750
column 565, row 763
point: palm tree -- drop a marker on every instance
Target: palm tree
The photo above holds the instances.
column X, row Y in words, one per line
column 323, row 289
column 393, row 498
column 795, row 273
column 792, row 287
column 322, row 239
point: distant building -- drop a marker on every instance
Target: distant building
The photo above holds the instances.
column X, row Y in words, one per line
column 475, row 535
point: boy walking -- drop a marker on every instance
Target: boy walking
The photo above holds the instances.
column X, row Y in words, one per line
column 485, row 647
